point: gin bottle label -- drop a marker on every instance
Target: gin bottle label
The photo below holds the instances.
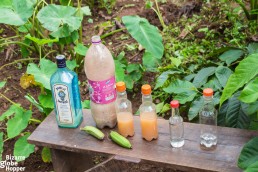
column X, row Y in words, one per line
column 63, row 105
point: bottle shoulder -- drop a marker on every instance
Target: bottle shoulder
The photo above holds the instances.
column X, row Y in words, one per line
column 64, row 76
column 147, row 107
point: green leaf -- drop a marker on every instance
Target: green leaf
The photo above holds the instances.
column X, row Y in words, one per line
column 176, row 61
column 61, row 33
column 86, row 104
column 250, row 92
column 2, row 84
column 179, row 86
column 53, row 17
column 252, row 48
column 233, row 114
column 31, row 99
column 46, row 155
column 223, row 73
column 189, row 77
column 81, row 49
column 253, row 167
column 22, row 147
column 1, row 145
column 25, row 28
column 13, row 109
column 71, row 64
column 120, row 72
column 132, row 67
column 86, row 10
column 165, row 108
column 18, row 123
column 231, row 56
column 163, row 78
column 213, row 83
column 185, row 96
column 6, row 3
column 150, row 62
column 244, row 72
column 252, row 108
column 148, row 4
column 17, row 14
column 195, row 108
column 145, row 33
column 202, row 76
column 159, row 107
column 128, row 82
column 249, row 154
column 46, row 100
column 41, row 42
column 135, row 75
column 66, row 2
column 44, row 73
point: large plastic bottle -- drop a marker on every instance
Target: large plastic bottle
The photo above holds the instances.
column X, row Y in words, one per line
column 100, row 70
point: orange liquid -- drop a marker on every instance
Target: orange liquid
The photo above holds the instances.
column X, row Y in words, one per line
column 125, row 124
column 149, row 125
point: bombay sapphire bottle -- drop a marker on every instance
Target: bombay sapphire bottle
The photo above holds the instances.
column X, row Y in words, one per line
column 66, row 95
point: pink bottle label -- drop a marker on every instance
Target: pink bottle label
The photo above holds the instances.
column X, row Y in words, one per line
column 102, row 92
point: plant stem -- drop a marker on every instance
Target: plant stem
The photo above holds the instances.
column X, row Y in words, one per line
column 111, row 33
column 35, row 120
column 2, row 39
column 17, row 42
column 16, row 61
column 159, row 15
column 1, row 95
column 39, row 52
column 6, row 139
column 52, row 51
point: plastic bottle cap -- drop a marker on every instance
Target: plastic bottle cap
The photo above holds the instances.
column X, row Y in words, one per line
column 120, row 86
column 174, row 104
column 208, row 92
column 146, row 89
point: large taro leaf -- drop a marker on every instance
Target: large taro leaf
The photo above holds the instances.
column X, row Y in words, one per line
column 42, row 74
column 1, row 144
column 18, row 123
column 145, row 33
column 22, row 148
column 250, row 92
column 53, row 17
column 253, row 167
column 150, row 62
column 15, row 12
column 249, row 154
column 202, row 76
column 185, row 91
column 232, row 113
column 244, row 72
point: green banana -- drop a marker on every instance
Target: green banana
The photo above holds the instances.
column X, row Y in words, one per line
column 94, row 132
column 120, row 140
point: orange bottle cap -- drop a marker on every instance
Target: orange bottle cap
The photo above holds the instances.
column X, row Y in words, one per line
column 120, row 86
column 208, row 92
column 146, row 89
column 174, row 104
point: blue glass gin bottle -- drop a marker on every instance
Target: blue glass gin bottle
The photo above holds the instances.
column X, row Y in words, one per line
column 66, row 95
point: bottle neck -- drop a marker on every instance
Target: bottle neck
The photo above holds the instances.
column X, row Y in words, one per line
column 175, row 112
column 146, row 98
column 208, row 103
column 121, row 95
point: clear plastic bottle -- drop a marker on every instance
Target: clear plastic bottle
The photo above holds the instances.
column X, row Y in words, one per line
column 148, row 116
column 66, row 95
column 176, row 126
column 208, row 116
column 100, row 70
column 124, row 111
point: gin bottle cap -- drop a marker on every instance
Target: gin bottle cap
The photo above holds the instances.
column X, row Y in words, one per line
column 60, row 59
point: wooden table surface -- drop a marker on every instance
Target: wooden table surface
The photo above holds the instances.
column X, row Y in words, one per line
column 190, row 156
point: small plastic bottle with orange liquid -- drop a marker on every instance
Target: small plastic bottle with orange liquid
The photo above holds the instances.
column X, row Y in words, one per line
column 124, row 111
column 148, row 116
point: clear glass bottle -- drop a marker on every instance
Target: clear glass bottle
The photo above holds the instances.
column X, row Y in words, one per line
column 99, row 67
column 208, row 116
column 148, row 116
column 66, row 95
column 176, row 126
column 124, row 111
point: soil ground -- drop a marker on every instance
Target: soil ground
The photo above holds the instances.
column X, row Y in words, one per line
column 12, row 73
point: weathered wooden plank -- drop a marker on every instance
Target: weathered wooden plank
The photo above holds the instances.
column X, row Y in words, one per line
column 190, row 156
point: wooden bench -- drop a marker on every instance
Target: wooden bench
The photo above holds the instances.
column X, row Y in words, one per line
column 72, row 150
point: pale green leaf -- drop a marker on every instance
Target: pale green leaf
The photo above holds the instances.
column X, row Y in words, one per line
column 18, row 123
column 249, row 154
column 163, row 78
column 71, row 64
column 86, row 10
column 22, row 147
column 252, row 48
column 159, row 107
column 1, row 145
column 231, row 56
column 176, row 61
column 46, row 100
column 52, row 17
column 250, row 92
column 202, row 76
column 31, row 99
column 150, row 62
column 46, row 155
column 223, row 73
column 86, row 104
column 120, row 71
column 145, row 33
column 81, row 49
column 184, row 97
column 132, row 67
column 13, row 109
column 44, row 73
column 179, row 86
column 244, row 72
column 41, row 42
column 2, row 84
column 195, row 108
column 128, row 82
column 17, row 14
